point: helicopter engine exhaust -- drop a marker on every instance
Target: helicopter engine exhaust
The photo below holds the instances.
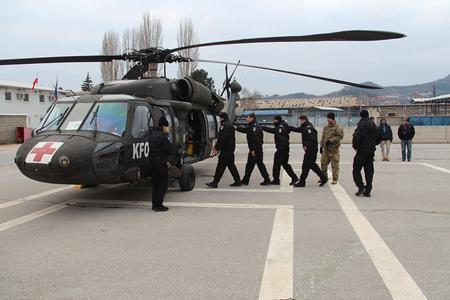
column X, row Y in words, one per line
column 191, row 91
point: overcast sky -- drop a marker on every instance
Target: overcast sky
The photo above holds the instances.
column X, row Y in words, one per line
column 45, row 28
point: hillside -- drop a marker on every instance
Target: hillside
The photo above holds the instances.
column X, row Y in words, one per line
column 399, row 94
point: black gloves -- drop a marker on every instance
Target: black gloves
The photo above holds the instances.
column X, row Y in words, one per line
column 328, row 143
column 321, row 150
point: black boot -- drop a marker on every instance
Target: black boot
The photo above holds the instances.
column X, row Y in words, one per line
column 323, row 181
column 160, row 208
column 244, row 181
column 265, row 182
column 360, row 192
column 212, row 184
column 293, row 181
column 236, row 183
column 300, row 184
column 275, row 182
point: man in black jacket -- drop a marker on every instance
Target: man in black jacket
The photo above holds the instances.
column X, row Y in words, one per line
column 281, row 156
column 406, row 133
column 160, row 149
column 385, row 133
column 226, row 144
column 310, row 145
column 255, row 142
column 365, row 138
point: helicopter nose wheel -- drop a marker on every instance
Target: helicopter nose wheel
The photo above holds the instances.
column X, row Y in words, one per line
column 187, row 178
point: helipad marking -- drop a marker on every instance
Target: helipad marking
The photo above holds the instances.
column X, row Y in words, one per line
column 436, row 168
column 32, row 197
column 180, row 204
column 244, row 190
column 30, row 217
column 278, row 276
column 397, row 280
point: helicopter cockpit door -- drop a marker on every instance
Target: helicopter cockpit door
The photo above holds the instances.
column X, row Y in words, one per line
column 140, row 131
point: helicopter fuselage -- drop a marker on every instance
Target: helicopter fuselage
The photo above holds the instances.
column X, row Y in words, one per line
column 103, row 139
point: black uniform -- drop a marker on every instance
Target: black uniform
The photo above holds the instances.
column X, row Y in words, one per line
column 365, row 138
column 226, row 144
column 281, row 156
column 160, row 149
column 310, row 144
column 255, row 142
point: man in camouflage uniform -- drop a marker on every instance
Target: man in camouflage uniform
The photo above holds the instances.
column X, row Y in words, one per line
column 330, row 142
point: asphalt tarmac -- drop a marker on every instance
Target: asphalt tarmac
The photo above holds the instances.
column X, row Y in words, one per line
column 276, row 242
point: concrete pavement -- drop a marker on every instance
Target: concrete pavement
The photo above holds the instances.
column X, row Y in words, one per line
column 252, row 242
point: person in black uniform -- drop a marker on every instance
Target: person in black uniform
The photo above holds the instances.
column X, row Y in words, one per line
column 281, row 156
column 365, row 138
column 255, row 142
column 311, row 146
column 160, row 149
column 226, row 144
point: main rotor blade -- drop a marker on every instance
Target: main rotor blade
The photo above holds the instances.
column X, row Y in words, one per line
column 358, row 85
column 352, row 35
column 61, row 59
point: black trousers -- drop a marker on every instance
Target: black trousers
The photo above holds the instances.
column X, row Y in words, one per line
column 160, row 180
column 281, row 159
column 360, row 161
column 226, row 160
column 255, row 160
column 309, row 163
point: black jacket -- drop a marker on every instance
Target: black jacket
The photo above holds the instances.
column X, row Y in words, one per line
column 309, row 136
column 281, row 134
column 406, row 132
column 160, row 147
column 226, row 140
column 385, row 136
column 366, row 137
column 255, row 135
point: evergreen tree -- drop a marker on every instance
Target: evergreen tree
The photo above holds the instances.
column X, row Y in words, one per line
column 87, row 84
column 201, row 76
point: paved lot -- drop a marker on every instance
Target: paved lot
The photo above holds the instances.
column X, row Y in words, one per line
column 58, row 242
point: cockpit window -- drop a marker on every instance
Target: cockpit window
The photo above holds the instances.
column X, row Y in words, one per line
column 110, row 117
column 76, row 116
column 54, row 116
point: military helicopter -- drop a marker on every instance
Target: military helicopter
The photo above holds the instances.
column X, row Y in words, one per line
column 102, row 138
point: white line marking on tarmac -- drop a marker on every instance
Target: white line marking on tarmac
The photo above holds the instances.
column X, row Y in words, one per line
column 32, row 216
column 180, row 204
column 397, row 280
column 32, row 197
column 278, row 276
column 243, row 190
column 436, row 168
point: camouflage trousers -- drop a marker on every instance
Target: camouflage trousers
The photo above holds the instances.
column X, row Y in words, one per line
column 333, row 156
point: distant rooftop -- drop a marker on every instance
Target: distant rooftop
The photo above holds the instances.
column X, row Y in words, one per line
column 26, row 86
column 441, row 98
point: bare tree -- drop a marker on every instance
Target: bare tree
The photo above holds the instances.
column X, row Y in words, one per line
column 187, row 36
column 149, row 35
column 111, row 45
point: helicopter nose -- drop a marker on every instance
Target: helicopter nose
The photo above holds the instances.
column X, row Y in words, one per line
column 57, row 159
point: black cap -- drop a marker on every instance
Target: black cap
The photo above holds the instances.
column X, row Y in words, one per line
column 223, row 115
column 331, row 116
column 278, row 118
column 163, row 122
column 364, row 114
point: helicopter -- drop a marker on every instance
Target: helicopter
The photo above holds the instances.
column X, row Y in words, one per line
column 102, row 137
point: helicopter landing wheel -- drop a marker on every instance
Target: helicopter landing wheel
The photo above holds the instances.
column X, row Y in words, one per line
column 187, row 178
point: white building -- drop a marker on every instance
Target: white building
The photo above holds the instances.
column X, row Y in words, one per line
column 18, row 99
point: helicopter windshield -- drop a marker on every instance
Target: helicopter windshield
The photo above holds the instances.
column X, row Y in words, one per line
column 110, row 117
column 54, row 116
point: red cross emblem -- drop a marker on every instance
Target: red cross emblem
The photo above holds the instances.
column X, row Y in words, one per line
column 43, row 152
